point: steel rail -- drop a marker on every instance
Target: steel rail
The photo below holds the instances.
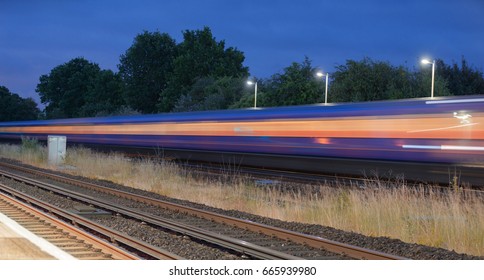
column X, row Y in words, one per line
column 106, row 248
column 114, row 236
column 313, row 241
column 238, row 245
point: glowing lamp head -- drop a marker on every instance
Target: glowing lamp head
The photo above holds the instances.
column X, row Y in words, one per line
column 426, row 61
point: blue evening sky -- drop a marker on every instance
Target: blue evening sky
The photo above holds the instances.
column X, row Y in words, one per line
column 36, row 36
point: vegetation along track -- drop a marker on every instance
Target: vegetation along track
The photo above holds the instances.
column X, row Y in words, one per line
column 250, row 239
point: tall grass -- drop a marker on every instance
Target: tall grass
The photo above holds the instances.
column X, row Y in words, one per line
column 454, row 220
column 30, row 151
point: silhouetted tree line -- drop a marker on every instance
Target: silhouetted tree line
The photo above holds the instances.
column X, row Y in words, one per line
column 15, row 108
column 158, row 75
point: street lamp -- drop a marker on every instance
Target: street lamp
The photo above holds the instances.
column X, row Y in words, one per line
column 320, row 74
column 426, row 61
column 255, row 91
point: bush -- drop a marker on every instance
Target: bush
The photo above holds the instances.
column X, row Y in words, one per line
column 30, row 143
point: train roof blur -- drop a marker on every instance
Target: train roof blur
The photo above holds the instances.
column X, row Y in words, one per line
column 387, row 107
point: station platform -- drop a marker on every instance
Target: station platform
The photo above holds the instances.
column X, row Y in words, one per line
column 17, row 243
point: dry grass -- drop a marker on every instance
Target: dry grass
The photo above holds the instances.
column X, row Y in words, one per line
column 415, row 215
column 31, row 154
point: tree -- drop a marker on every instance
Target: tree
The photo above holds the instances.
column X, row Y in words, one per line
column 79, row 88
column 462, row 80
column 295, row 86
column 364, row 80
column 105, row 95
column 15, row 108
column 65, row 88
column 145, row 69
column 247, row 98
column 211, row 94
column 369, row 80
column 422, row 81
column 200, row 56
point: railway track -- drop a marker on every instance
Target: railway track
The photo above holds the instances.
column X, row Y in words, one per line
column 265, row 176
column 68, row 238
column 249, row 239
column 85, row 229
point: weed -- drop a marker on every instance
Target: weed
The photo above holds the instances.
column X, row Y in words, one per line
column 30, row 143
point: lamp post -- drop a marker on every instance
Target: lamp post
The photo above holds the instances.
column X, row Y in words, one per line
column 426, row 61
column 320, row 74
column 255, row 92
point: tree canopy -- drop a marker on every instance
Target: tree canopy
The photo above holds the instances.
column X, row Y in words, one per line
column 146, row 68
column 15, row 108
column 79, row 88
column 295, row 86
column 157, row 74
column 463, row 80
column 200, row 56
column 211, row 94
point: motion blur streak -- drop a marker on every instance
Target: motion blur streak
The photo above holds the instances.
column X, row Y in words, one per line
column 415, row 126
column 441, row 130
column 457, row 148
column 456, row 101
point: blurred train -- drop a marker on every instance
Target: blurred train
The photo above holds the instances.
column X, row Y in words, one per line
column 420, row 138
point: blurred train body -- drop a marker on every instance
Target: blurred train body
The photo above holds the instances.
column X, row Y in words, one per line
column 439, row 136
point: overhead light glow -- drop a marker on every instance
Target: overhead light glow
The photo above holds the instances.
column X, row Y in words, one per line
column 426, row 61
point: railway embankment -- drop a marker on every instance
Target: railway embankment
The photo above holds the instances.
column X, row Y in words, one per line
column 424, row 223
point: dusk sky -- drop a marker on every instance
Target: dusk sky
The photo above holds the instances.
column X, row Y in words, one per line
column 36, row 36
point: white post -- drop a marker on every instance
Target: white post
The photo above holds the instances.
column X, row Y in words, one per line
column 433, row 79
column 426, row 61
column 255, row 96
column 56, row 149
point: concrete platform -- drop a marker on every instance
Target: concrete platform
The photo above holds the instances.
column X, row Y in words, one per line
column 17, row 243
